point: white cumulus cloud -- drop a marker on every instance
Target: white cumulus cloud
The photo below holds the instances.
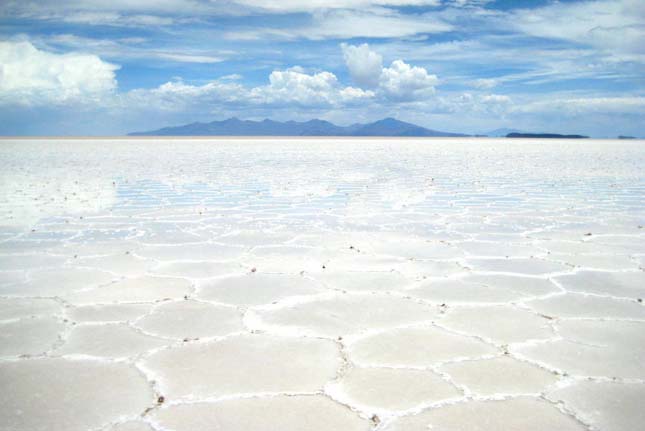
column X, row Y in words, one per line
column 295, row 86
column 285, row 88
column 365, row 66
column 404, row 82
column 400, row 81
column 29, row 76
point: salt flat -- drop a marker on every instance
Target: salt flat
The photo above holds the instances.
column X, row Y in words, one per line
column 322, row 284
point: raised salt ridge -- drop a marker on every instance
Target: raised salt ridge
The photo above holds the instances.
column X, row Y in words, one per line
column 322, row 284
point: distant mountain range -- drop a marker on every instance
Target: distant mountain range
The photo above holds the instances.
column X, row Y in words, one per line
column 237, row 127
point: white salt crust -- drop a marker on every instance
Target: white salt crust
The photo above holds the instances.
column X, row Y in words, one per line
column 322, row 284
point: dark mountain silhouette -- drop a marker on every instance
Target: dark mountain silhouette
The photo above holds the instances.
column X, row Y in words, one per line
column 501, row 133
column 237, row 127
column 545, row 135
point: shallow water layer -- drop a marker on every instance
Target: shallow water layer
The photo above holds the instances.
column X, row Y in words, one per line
column 323, row 284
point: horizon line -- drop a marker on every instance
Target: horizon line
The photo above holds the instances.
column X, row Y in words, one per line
column 312, row 137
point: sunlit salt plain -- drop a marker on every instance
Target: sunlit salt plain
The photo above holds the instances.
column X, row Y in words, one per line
column 322, row 284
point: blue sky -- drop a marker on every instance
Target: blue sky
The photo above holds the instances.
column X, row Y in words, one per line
column 89, row 67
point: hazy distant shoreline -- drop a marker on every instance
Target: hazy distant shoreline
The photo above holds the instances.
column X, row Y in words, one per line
column 308, row 138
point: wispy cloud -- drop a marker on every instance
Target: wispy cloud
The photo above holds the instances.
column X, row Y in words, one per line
column 607, row 24
column 129, row 48
column 348, row 24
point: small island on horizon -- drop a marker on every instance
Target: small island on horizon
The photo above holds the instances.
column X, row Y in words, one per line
column 545, row 135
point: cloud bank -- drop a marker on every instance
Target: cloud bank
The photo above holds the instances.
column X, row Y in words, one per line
column 29, row 76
